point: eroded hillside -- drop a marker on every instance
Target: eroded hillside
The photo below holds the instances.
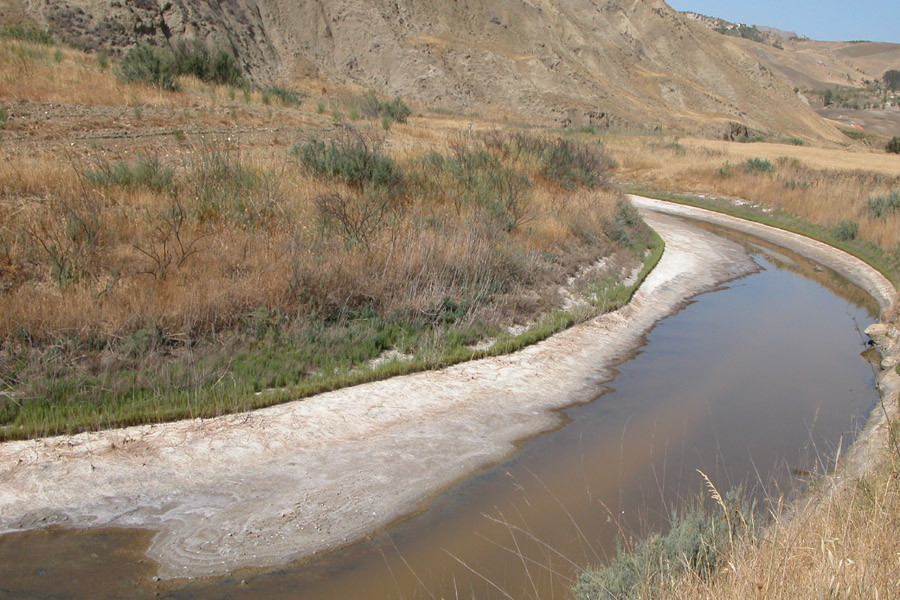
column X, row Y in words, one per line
column 572, row 62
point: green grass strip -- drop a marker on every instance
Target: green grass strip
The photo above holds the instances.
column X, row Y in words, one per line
column 146, row 406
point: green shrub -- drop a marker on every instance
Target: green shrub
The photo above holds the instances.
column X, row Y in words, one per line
column 476, row 178
column 619, row 228
column 572, row 164
column 223, row 69
column 144, row 172
column 726, row 171
column 748, row 32
column 677, row 148
column 160, row 68
column 758, row 165
column 750, row 138
column 192, row 57
column 148, row 65
column 882, row 206
column 286, row 97
column 351, row 158
column 27, row 34
column 854, row 134
column 892, row 79
column 370, row 105
column 374, row 108
column 396, row 110
column 845, row 231
column 697, row 543
column 224, row 186
column 793, row 184
column 893, row 146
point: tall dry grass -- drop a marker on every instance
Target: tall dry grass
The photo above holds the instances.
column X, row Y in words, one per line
column 841, row 544
column 36, row 73
column 813, row 184
column 129, row 284
column 109, row 258
column 144, row 284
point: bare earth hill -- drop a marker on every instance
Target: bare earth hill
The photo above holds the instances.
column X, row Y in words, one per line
column 632, row 63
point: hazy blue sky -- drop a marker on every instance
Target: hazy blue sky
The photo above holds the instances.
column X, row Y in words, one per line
column 828, row 20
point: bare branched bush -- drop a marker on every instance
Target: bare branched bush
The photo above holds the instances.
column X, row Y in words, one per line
column 167, row 244
column 68, row 238
column 356, row 216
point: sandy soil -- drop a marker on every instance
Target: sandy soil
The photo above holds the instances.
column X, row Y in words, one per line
column 286, row 482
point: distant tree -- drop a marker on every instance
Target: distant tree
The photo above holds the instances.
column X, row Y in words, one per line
column 893, row 145
column 892, row 79
column 750, row 32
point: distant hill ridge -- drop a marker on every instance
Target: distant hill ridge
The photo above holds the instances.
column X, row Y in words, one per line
column 758, row 33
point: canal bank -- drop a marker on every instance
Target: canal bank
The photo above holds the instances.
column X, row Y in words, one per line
column 283, row 483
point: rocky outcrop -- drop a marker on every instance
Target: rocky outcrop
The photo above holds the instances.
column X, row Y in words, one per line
column 113, row 27
column 886, row 337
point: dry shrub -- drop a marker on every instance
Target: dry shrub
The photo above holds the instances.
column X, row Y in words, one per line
column 842, row 545
column 234, row 231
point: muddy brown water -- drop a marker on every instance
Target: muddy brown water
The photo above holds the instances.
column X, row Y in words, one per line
column 748, row 384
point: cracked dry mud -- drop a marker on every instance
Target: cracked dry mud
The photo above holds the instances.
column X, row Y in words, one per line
column 286, row 482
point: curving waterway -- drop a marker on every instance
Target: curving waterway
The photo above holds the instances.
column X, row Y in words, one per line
column 752, row 384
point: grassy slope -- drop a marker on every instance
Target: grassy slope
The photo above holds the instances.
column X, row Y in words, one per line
column 216, row 249
column 826, row 194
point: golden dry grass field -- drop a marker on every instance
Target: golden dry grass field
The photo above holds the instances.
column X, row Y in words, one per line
column 823, row 185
